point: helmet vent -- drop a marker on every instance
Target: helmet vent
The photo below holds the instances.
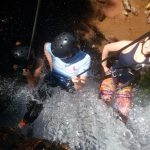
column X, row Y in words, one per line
column 20, row 55
column 64, row 44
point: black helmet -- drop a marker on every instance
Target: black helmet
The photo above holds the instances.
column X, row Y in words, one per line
column 64, row 45
column 20, row 55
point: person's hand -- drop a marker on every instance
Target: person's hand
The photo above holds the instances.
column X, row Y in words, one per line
column 15, row 67
column 75, row 79
column 26, row 72
column 106, row 69
column 18, row 43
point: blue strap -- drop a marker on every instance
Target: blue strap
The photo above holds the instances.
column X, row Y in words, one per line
column 56, row 78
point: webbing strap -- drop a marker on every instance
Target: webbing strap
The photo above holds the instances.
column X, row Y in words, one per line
column 125, row 84
column 118, row 73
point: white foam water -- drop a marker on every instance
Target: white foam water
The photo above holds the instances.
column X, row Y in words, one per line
column 82, row 120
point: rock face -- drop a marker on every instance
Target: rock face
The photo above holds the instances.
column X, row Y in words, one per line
column 12, row 139
column 115, row 19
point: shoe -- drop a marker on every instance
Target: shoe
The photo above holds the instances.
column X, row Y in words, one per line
column 22, row 124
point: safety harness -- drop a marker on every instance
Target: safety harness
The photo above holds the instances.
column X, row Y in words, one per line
column 118, row 72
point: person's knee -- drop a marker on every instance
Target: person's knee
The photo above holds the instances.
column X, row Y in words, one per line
column 106, row 96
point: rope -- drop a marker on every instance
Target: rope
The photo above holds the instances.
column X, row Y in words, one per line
column 34, row 27
column 138, row 39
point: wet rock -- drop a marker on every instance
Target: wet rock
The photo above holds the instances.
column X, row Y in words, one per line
column 101, row 1
column 147, row 13
column 148, row 20
column 125, row 13
column 102, row 17
column 148, row 6
column 126, row 5
column 12, row 139
column 134, row 11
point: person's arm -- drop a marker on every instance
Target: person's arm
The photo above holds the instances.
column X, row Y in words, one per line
column 34, row 79
column 112, row 47
column 48, row 56
column 79, row 82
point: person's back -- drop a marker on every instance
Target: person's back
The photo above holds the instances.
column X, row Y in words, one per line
column 28, row 69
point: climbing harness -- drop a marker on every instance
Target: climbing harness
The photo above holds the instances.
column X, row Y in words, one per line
column 118, row 72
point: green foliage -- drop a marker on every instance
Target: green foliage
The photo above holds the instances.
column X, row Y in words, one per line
column 144, row 81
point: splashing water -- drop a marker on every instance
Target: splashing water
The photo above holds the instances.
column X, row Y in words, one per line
column 82, row 120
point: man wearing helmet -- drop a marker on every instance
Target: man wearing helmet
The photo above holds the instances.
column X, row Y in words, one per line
column 28, row 67
column 66, row 61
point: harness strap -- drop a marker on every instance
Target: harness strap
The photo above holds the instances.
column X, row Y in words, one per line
column 118, row 72
column 125, row 84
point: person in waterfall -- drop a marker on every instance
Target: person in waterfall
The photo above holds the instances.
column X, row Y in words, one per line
column 28, row 69
column 66, row 61
column 117, row 83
